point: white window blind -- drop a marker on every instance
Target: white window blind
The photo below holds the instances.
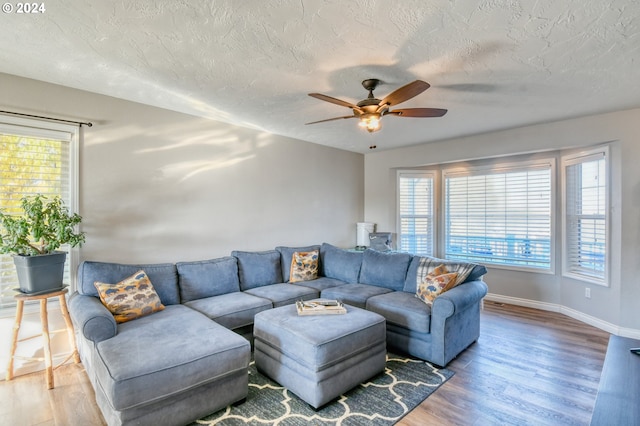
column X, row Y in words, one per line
column 585, row 217
column 35, row 158
column 500, row 215
column 415, row 207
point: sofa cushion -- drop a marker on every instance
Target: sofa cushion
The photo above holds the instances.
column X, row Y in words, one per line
column 131, row 298
column 321, row 283
column 384, row 269
column 284, row 294
column 286, row 254
column 258, row 268
column 207, row 278
column 166, row 354
column 354, row 294
column 411, row 282
column 340, row 264
column 231, row 310
column 304, row 266
column 164, row 277
column 402, row 309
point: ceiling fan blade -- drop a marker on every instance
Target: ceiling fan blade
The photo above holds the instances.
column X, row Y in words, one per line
column 405, row 93
column 331, row 119
column 334, row 100
column 418, row 112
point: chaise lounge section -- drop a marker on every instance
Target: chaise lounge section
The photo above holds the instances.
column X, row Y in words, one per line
column 167, row 368
column 205, row 330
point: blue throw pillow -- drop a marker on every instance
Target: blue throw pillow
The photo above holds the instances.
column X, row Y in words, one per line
column 340, row 264
column 207, row 278
column 258, row 268
column 384, row 269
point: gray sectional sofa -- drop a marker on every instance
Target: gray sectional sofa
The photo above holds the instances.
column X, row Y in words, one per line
column 191, row 359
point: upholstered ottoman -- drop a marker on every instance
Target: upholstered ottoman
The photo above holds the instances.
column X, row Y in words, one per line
column 319, row 357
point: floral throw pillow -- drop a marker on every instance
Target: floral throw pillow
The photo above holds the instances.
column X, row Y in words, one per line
column 436, row 283
column 131, row 298
column 304, row 266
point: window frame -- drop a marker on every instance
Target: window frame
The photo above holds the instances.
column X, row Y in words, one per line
column 36, row 128
column 581, row 157
column 427, row 174
column 497, row 166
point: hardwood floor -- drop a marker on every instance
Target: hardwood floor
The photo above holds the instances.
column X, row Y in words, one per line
column 529, row 367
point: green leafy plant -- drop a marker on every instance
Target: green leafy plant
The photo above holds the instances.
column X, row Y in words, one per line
column 44, row 226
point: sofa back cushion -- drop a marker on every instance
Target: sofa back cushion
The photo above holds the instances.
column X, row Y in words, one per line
column 384, row 269
column 207, row 278
column 340, row 264
column 163, row 276
column 411, row 283
column 286, row 254
column 258, row 268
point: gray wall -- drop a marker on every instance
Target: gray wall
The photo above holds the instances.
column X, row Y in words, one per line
column 160, row 186
column 615, row 307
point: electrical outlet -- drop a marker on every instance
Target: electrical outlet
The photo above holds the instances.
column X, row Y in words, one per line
column 587, row 292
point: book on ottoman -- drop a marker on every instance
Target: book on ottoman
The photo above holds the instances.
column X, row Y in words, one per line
column 320, row 307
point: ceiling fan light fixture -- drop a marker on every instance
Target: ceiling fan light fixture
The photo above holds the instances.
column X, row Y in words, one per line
column 371, row 122
column 370, row 111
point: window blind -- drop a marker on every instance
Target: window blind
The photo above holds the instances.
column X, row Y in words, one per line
column 32, row 161
column 500, row 215
column 586, row 217
column 415, row 206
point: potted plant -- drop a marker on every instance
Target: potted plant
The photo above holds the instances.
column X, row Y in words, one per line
column 34, row 237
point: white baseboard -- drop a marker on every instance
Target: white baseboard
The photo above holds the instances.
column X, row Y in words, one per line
column 527, row 303
column 580, row 316
column 629, row 332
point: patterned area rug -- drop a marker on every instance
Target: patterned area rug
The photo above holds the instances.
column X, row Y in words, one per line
column 384, row 400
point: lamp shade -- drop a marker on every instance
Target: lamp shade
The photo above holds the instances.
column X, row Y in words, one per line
column 363, row 229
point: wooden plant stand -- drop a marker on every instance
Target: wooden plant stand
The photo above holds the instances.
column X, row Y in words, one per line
column 44, row 319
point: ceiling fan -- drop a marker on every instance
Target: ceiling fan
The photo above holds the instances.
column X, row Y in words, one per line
column 371, row 110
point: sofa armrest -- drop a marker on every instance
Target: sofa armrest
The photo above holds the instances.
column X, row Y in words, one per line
column 455, row 320
column 459, row 298
column 91, row 318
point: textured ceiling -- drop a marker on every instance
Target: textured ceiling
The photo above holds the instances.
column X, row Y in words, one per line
column 494, row 64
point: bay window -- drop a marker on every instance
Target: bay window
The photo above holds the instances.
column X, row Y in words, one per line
column 500, row 215
column 585, row 208
column 415, row 213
